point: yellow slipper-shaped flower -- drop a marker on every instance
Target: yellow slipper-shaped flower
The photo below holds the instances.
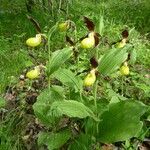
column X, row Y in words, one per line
column 90, row 79
column 121, row 44
column 34, row 41
column 124, row 70
column 88, row 42
column 33, row 74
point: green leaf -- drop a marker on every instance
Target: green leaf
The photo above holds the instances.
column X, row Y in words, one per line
column 148, row 118
column 121, row 122
column 82, row 142
column 71, row 108
column 2, row 102
column 112, row 60
column 57, row 59
column 114, row 99
column 43, row 105
column 68, row 78
column 54, row 140
column 133, row 56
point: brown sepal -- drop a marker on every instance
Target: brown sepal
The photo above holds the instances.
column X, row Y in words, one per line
column 97, row 73
column 96, row 40
column 129, row 57
column 125, row 33
column 97, row 34
column 94, row 62
column 89, row 24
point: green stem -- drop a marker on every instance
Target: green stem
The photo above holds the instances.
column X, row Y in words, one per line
column 52, row 9
column 49, row 38
column 75, row 29
column 49, row 47
column 95, row 97
column 60, row 3
column 67, row 10
column 96, row 85
column 95, row 102
column 122, row 87
column 81, row 97
column 95, row 94
column 75, row 39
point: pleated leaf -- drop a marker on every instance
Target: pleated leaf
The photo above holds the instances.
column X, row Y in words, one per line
column 43, row 105
column 133, row 56
column 72, row 108
column 68, row 78
column 112, row 60
column 54, row 140
column 57, row 59
column 121, row 122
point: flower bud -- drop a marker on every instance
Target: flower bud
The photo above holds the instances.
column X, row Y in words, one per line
column 63, row 26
